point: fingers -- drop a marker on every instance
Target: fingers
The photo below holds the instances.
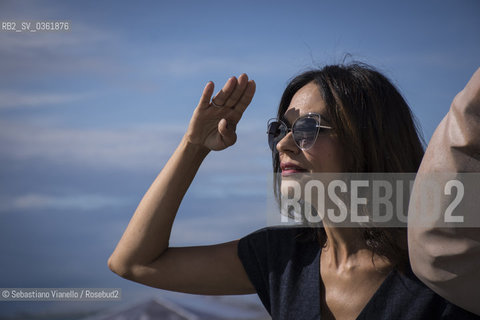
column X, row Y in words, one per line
column 235, row 96
column 238, row 91
column 247, row 96
column 206, row 95
column 232, row 91
column 222, row 96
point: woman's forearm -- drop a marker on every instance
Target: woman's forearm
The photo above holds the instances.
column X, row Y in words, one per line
column 147, row 235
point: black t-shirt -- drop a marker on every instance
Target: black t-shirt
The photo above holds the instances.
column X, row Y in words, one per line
column 285, row 273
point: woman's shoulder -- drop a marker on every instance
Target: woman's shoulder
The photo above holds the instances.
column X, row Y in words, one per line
column 275, row 247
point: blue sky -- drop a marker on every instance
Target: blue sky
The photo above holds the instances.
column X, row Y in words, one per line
column 88, row 117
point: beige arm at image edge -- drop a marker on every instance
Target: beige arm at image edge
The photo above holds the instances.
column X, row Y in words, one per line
column 448, row 259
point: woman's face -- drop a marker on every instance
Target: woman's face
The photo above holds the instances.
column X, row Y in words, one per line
column 326, row 154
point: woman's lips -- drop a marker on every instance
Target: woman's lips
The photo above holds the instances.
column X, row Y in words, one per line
column 290, row 168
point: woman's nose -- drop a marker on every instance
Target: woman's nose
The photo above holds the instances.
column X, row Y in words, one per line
column 287, row 144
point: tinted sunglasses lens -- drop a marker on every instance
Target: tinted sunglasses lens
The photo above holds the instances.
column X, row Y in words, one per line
column 305, row 132
column 276, row 132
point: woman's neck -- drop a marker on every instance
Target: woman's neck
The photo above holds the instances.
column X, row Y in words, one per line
column 346, row 248
column 343, row 243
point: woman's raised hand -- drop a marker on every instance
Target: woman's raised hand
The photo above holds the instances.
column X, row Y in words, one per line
column 214, row 121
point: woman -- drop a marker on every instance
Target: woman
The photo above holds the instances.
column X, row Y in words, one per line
column 345, row 119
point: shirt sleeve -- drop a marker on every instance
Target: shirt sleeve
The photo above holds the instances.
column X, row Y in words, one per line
column 253, row 252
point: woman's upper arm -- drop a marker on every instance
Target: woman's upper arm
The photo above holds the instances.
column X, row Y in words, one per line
column 211, row 270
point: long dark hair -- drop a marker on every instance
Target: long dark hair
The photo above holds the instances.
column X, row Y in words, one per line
column 376, row 128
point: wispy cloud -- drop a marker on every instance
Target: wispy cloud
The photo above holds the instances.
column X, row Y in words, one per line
column 36, row 201
column 43, row 56
column 15, row 99
column 79, row 35
column 236, row 182
column 188, row 62
column 135, row 147
column 228, row 221
column 191, row 65
column 121, row 148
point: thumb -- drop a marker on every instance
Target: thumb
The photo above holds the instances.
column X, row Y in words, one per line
column 227, row 131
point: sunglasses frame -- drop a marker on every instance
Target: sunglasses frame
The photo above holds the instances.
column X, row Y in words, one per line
column 316, row 116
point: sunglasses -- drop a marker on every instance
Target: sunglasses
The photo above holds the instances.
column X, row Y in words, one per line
column 304, row 131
